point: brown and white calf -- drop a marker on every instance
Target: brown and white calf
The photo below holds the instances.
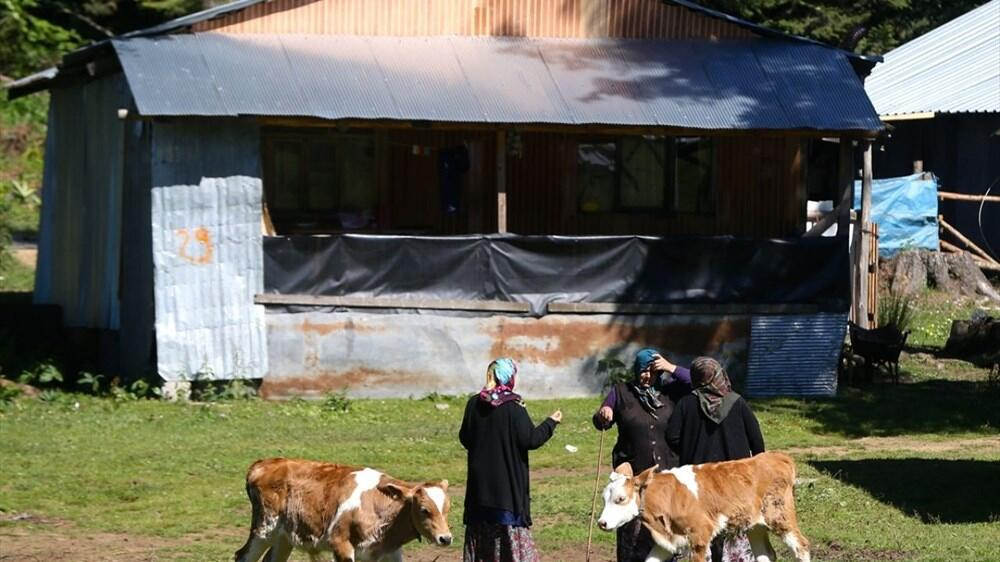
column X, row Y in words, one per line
column 684, row 508
column 352, row 513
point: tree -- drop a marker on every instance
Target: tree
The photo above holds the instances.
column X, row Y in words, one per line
column 866, row 26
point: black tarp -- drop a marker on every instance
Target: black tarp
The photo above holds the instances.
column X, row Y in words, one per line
column 543, row 269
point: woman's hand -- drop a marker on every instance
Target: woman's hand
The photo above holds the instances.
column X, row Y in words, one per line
column 606, row 414
column 556, row 416
column 661, row 364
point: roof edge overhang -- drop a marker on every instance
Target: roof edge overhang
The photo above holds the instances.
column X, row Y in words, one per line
column 306, row 121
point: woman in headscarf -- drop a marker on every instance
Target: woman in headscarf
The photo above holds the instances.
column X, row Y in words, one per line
column 642, row 409
column 498, row 433
column 713, row 424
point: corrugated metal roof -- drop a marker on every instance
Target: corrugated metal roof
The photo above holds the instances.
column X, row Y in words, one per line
column 795, row 355
column 752, row 84
column 954, row 68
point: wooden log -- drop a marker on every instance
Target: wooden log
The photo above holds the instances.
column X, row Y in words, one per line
column 679, row 308
column 948, row 195
column 864, row 237
column 976, row 249
column 953, row 249
column 392, row 302
column 501, row 181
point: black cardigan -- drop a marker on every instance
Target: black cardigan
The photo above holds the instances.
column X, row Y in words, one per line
column 498, row 440
column 697, row 439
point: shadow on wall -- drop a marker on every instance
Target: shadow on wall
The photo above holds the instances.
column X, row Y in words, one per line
column 935, row 490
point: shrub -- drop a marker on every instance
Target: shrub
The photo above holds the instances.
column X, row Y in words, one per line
column 896, row 309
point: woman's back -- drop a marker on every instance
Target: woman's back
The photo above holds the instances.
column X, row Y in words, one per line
column 498, row 440
column 697, row 439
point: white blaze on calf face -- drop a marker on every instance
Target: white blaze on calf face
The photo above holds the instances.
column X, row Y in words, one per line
column 620, row 503
column 437, row 496
column 364, row 480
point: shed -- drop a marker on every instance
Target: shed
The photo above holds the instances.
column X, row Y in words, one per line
column 941, row 94
column 372, row 196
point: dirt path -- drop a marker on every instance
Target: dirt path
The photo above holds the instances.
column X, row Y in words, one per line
column 25, row 538
column 915, row 444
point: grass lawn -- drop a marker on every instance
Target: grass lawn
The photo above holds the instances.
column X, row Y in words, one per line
column 889, row 472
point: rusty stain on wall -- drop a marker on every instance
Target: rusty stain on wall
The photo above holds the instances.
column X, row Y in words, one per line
column 390, row 355
column 203, row 243
column 560, row 340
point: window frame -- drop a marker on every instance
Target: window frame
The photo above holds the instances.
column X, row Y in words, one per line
column 669, row 207
column 326, row 220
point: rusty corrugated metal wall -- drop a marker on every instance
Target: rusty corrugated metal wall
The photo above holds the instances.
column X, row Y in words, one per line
column 529, row 18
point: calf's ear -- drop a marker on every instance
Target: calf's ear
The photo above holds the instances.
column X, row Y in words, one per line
column 625, row 469
column 643, row 479
column 395, row 491
column 443, row 484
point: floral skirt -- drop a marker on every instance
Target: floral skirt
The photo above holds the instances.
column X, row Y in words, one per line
column 732, row 548
column 489, row 542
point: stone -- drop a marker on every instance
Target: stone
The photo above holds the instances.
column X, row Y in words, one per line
column 939, row 272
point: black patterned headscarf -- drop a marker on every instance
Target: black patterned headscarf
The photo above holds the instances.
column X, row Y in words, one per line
column 712, row 387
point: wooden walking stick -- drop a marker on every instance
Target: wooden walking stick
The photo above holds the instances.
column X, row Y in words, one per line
column 593, row 505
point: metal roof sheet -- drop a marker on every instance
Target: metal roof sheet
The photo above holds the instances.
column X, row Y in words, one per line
column 954, row 68
column 747, row 84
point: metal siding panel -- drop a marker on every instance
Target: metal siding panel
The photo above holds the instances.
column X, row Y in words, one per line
column 954, row 68
column 80, row 238
column 207, row 258
column 795, row 355
column 317, row 351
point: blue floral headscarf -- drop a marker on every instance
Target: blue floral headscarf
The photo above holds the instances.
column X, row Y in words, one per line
column 501, row 376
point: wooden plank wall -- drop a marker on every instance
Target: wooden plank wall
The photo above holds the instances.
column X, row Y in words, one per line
column 758, row 189
column 651, row 19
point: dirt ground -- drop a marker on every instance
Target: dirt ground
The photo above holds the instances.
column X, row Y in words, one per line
column 24, row 537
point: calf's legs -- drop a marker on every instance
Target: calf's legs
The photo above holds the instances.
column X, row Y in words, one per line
column 253, row 549
column 760, row 545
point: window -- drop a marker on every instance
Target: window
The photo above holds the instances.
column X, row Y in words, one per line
column 319, row 181
column 645, row 174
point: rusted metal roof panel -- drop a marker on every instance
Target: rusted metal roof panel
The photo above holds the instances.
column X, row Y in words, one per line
column 753, row 84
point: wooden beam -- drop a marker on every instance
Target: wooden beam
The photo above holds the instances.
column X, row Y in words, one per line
column 501, row 181
column 693, row 308
column 611, row 130
column 947, row 195
column 908, row 116
column 961, row 237
column 845, row 186
column 391, row 302
column 864, row 242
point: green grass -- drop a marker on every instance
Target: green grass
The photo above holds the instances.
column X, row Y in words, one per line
column 154, row 469
column 890, row 472
column 15, row 276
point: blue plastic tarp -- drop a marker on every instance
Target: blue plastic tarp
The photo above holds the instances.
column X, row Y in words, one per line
column 906, row 210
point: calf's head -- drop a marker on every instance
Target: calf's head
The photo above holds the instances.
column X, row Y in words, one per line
column 428, row 506
column 622, row 496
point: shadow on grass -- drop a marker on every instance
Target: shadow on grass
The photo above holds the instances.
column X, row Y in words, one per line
column 935, row 490
column 935, row 406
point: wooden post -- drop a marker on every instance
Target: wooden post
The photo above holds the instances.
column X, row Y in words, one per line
column 864, row 218
column 845, row 186
column 501, row 181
